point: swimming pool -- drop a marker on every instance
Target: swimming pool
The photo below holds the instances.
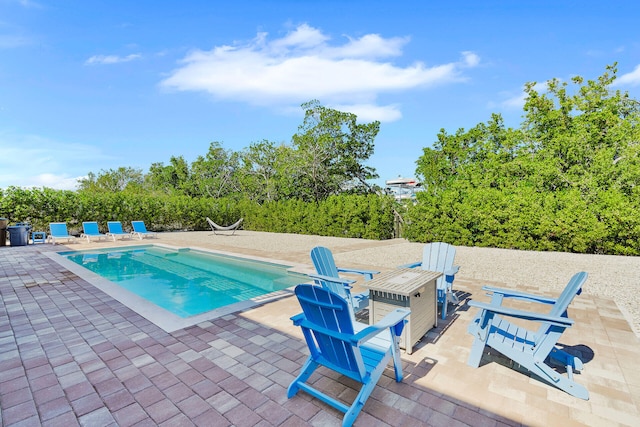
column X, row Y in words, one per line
column 186, row 282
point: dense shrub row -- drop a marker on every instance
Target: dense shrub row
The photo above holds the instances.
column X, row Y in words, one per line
column 560, row 221
column 365, row 216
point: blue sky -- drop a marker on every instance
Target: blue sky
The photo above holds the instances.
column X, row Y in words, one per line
column 94, row 85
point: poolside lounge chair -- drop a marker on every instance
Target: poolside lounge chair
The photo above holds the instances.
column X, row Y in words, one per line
column 58, row 231
column 140, row 230
column 115, row 230
column 90, row 229
column 355, row 350
column 439, row 257
column 526, row 348
column 217, row 228
column 328, row 273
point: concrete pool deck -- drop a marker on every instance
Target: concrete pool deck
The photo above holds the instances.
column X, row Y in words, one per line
column 72, row 355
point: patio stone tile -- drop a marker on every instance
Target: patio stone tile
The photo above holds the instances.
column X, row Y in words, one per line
column 19, row 412
column 129, row 415
column 223, row 402
column 243, row 416
column 178, row 392
column 236, row 369
column 87, row 404
column 98, row 418
column 109, row 386
column 193, row 406
column 211, row 417
column 137, row 383
column 162, row 410
column 47, row 394
column 54, row 408
column 164, row 380
column 67, row 419
column 44, row 381
column 179, row 420
column 118, row 400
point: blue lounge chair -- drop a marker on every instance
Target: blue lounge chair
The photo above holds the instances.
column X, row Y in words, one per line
column 140, row 230
column 90, row 229
column 439, row 257
column 529, row 349
column 328, row 273
column 355, row 350
column 58, row 231
column 115, row 230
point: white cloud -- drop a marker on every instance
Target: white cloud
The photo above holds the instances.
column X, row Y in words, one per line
column 470, row 59
column 111, row 59
column 629, row 79
column 517, row 102
column 302, row 65
column 371, row 112
column 31, row 161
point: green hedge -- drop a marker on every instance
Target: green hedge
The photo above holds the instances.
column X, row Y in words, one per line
column 359, row 216
column 562, row 221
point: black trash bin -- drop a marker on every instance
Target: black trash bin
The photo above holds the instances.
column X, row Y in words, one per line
column 18, row 234
column 3, row 231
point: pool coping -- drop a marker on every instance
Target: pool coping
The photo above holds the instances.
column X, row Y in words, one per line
column 164, row 319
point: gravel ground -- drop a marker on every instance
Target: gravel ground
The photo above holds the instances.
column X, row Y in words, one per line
column 614, row 277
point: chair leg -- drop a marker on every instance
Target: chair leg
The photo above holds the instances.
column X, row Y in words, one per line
column 571, row 362
column 552, row 377
column 351, row 415
column 445, row 304
column 477, row 350
column 305, row 373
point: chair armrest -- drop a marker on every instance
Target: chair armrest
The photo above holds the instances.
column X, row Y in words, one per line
column 510, row 293
column 452, row 271
column 411, row 265
column 368, row 274
column 346, row 282
column 522, row 314
column 392, row 319
column 297, row 319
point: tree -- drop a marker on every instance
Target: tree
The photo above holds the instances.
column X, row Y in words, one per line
column 174, row 177
column 332, row 149
column 113, row 180
column 567, row 179
column 265, row 171
column 214, row 175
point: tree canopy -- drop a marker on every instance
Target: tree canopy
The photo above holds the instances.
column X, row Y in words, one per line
column 326, row 156
column 566, row 179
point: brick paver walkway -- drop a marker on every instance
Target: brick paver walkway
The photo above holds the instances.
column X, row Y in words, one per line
column 71, row 355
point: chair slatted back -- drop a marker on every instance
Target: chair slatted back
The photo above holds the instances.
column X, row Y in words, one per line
column 139, row 226
column 325, row 265
column 58, row 229
column 90, row 228
column 559, row 308
column 115, row 227
column 327, row 312
column 438, row 256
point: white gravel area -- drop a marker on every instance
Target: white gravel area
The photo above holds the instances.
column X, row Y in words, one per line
column 613, row 277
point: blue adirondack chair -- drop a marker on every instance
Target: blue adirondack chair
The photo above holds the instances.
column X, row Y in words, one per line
column 328, row 273
column 439, row 257
column 335, row 341
column 527, row 348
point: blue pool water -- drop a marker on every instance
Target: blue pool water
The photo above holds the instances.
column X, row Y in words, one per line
column 186, row 282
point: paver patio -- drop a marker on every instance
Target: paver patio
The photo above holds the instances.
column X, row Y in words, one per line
column 72, row 355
